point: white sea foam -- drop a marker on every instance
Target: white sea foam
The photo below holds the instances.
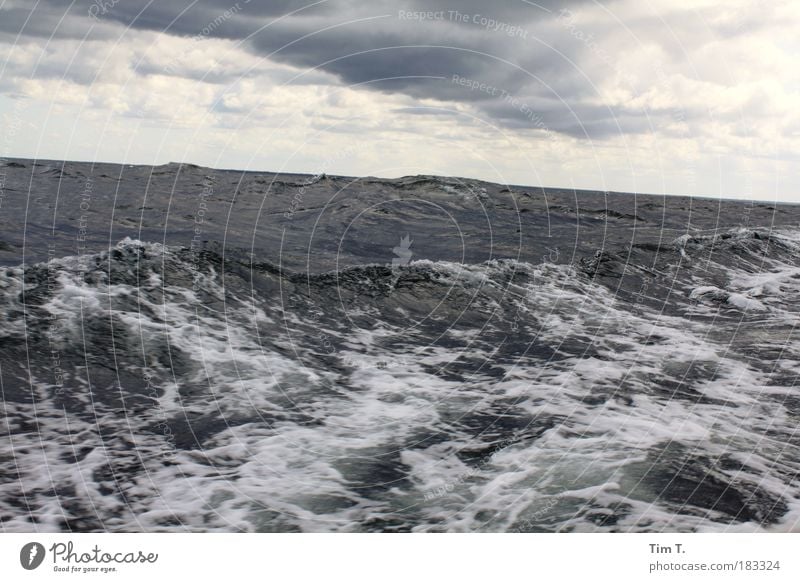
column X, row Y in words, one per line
column 539, row 444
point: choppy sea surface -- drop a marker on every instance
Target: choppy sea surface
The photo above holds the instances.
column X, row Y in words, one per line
column 188, row 349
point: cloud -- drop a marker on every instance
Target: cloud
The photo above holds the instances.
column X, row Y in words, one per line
column 377, row 46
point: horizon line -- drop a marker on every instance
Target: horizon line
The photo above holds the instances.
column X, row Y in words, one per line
column 507, row 185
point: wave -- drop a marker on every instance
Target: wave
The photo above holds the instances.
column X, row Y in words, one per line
column 158, row 388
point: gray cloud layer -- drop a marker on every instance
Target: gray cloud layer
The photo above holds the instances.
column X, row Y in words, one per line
column 507, row 55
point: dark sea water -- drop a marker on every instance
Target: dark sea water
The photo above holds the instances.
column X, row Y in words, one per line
column 187, row 349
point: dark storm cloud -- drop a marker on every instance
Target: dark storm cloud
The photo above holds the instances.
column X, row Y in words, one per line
column 499, row 66
column 583, row 121
column 31, row 21
column 58, row 19
column 490, row 56
column 508, row 9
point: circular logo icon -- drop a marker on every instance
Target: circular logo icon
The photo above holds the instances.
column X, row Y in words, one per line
column 31, row 555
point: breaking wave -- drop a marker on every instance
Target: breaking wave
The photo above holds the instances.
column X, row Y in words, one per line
column 161, row 388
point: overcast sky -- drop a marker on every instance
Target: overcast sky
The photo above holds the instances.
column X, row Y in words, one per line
column 670, row 96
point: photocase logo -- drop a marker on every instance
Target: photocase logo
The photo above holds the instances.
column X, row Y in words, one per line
column 403, row 252
column 31, row 555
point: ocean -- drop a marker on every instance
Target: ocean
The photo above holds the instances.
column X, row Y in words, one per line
column 190, row 349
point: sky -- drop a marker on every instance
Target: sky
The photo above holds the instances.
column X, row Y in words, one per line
column 688, row 97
